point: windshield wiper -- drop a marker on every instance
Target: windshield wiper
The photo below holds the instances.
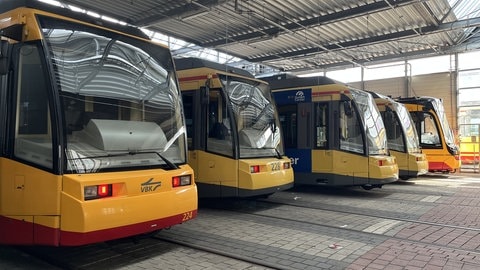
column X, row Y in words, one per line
column 169, row 163
column 279, row 156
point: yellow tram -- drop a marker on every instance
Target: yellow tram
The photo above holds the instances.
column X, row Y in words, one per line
column 402, row 137
column 234, row 138
column 94, row 145
column 333, row 133
column 436, row 137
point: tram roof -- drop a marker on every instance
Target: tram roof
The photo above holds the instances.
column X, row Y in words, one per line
column 283, row 81
column 7, row 5
column 417, row 100
column 192, row 62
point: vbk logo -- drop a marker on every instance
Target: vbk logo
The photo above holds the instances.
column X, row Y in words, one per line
column 299, row 96
column 150, row 185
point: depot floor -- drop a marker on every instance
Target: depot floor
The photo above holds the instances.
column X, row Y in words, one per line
column 432, row 222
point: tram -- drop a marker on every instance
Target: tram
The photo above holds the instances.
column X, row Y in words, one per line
column 334, row 134
column 402, row 137
column 93, row 144
column 436, row 137
column 234, row 139
column 469, row 143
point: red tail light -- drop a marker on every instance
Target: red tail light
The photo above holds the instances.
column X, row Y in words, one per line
column 286, row 165
column 103, row 190
column 381, row 162
column 255, row 169
column 97, row 192
column 184, row 180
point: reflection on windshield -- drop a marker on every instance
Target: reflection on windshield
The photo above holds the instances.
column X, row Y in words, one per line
column 256, row 116
column 447, row 131
column 121, row 101
column 375, row 129
column 413, row 143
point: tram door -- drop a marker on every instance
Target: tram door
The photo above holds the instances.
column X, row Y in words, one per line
column 351, row 161
column 322, row 153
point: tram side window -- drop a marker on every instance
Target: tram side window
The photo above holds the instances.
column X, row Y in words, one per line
column 189, row 119
column 288, row 120
column 350, row 130
column 321, row 126
column 33, row 140
column 219, row 135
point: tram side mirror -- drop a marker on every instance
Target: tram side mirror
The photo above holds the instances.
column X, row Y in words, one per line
column 389, row 116
column 347, row 106
column 205, row 97
column 427, row 107
column 420, row 116
column 4, row 56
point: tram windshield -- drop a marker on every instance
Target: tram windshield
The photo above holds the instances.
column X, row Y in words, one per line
column 121, row 103
column 407, row 124
column 448, row 134
column 255, row 116
column 373, row 123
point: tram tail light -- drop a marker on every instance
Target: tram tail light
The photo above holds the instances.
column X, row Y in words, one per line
column 255, row 169
column 381, row 162
column 286, row 165
column 184, row 180
column 97, row 191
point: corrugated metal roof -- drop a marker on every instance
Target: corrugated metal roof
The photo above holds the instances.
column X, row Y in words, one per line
column 296, row 35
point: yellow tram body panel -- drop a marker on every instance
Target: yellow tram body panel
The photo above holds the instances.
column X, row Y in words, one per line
column 382, row 167
column 228, row 173
column 55, row 208
column 137, row 196
column 411, row 164
column 347, row 164
column 272, row 173
column 31, row 192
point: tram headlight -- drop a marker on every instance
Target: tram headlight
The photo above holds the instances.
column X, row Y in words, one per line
column 184, row 180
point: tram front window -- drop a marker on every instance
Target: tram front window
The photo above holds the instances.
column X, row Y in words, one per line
column 394, row 130
column 447, row 131
column 256, row 117
column 373, row 123
column 120, row 99
column 412, row 141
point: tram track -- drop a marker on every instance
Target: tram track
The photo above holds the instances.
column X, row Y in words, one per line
column 369, row 234
column 246, row 259
column 376, row 216
column 130, row 252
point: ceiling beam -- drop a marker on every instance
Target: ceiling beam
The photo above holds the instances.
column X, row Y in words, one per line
column 372, row 60
column 273, row 30
column 474, row 22
column 188, row 10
